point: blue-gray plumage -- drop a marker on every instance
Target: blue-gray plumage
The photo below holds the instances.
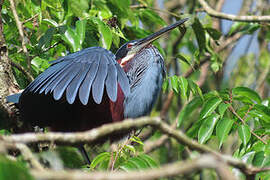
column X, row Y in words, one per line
column 91, row 87
column 145, row 79
column 84, row 70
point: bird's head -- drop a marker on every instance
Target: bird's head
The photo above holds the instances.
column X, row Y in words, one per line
column 127, row 51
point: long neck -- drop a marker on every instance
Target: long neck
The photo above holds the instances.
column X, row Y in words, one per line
column 145, row 72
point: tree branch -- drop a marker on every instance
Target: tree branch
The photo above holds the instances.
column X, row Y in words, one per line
column 232, row 17
column 20, row 28
column 106, row 130
column 170, row 170
column 26, row 153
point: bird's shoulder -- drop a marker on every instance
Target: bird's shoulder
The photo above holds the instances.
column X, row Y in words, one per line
column 89, row 55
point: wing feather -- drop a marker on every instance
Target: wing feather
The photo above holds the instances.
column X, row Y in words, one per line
column 85, row 88
column 73, row 87
column 123, row 80
column 45, row 76
column 111, row 82
column 98, row 84
column 61, row 87
column 55, row 79
column 79, row 73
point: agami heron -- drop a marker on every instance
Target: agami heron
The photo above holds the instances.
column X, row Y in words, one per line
column 93, row 86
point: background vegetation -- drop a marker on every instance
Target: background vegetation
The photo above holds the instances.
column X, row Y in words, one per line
column 223, row 115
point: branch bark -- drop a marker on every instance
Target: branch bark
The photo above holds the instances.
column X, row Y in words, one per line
column 106, row 130
column 26, row 153
column 170, row 170
column 20, row 29
column 232, row 17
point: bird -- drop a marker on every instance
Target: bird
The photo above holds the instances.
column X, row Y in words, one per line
column 92, row 87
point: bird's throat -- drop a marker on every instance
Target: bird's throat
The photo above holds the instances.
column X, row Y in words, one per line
column 126, row 59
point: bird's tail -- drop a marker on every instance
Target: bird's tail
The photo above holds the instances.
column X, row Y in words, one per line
column 14, row 98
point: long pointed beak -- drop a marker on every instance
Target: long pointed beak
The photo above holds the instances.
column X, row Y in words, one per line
column 142, row 43
column 147, row 40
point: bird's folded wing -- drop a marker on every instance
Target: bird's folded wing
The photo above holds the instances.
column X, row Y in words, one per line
column 78, row 74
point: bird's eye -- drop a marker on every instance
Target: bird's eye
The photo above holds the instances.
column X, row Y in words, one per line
column 129, row 45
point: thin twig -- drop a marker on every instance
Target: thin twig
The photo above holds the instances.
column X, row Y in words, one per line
column 25, row 152
column 118, row 152
column 253, row 133
column 242, row 120
column 28, row 156
column 249, row 109
column 30, row 19
column 232, row 17
column 23, row 70
column 228, row 42
column 20, row 28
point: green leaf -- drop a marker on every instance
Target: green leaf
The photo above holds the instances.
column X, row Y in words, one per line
column 128, row 166
column 236, row 27
column 4, row 132
column 252, row 28
column 263, row 112
column 105, row 33
column 175, row 83
column 183, row 83
column 149, row 17
column 188, row 109
column 207, row 128
column 247, row 93
column 248, row 157
column 39, row 64
column 209, row 107
column 200, row 34
column 195, row 88
column 244, row 133
column 13, row 170
column 70, row 156
column 222, row 129
column 131, row 148
column 165, row 85
column 136, row 139
column 50, row 22
column 100, row 158
column 46, row 39
column 214, row 64
column 260, row 146
column 185, row 60
column 70, row 38
column 193, row 131
column 150, row 161
column 261, row 160
column 121, row 4
column 222, row 108
column 215, row 34
column 79, row 8
column 80, row 30
column 139, row 162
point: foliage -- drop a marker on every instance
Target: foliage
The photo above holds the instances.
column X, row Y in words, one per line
column 128, row 157
column 229, row 115
column 13, row 170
